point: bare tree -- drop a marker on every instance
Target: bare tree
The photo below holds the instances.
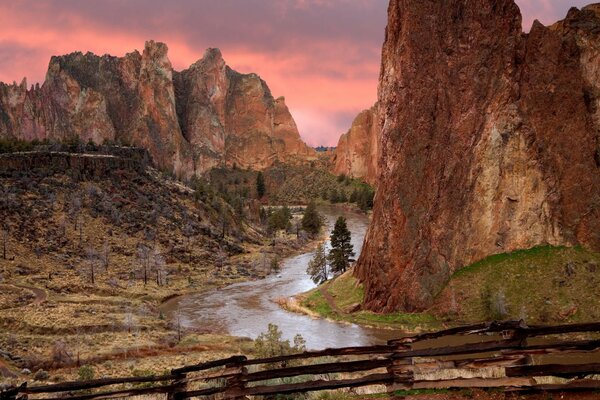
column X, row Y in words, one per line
column 144, row 258
column 159, row 267
column 91, row 257
column 106, row 255
column 178, row 324
column 5, row 235
column 220, row 259
column 130, row 321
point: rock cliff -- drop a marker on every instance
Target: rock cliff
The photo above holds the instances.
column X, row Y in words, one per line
column 490, row 142
column 189, row 121
column 356, row 153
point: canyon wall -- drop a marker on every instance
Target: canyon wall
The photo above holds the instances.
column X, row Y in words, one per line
column 490, row 143
column 189, row 121
column 356, row 154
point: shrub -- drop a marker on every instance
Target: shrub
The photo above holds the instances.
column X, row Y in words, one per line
column 86, row 373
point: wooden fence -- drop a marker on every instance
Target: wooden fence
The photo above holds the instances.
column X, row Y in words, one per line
column 508, row 355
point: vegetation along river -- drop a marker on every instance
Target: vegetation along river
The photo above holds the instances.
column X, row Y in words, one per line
column 245, row 309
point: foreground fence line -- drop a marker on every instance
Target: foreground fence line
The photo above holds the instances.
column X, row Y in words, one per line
column 487, row 355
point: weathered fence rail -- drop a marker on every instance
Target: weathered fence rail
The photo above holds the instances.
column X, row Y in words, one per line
column 508, row 355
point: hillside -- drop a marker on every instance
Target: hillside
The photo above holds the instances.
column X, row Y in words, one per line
column 93, row 241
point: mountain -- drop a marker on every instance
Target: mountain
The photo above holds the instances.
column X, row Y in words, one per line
column 490, row 143
column 189, row 121
column 357, row 151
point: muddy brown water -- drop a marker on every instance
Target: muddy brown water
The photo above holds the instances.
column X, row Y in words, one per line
column 245, row 309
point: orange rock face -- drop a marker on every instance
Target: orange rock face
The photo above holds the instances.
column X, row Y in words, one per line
column 356, row 154
column 189, row 121
column 490, row 143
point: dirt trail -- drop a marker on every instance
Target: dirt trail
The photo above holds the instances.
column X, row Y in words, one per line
column 40, row 294
column 331, row 300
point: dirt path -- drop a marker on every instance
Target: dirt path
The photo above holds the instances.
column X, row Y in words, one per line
column 330, row 300
column 40, row 294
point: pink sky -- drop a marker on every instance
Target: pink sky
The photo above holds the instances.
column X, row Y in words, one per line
column 322, row 55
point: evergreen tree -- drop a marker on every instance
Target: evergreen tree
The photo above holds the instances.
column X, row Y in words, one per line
column 260, row 185
column 312, row 220
column 280, row 219
column 317, row 267
column 342, row 250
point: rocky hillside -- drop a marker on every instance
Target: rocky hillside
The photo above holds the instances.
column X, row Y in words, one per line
column 356, row 154
column 189, row 121
column 499, row 152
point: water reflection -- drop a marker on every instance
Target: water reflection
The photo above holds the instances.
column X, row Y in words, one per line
column 245, row 309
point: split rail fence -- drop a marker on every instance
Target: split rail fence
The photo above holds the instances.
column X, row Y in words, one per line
column 507, row 355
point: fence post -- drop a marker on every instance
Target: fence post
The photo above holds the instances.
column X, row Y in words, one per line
column 401, row 369
column 9, row 393
column 12, row 393
column 180, row 382
column 236, row 384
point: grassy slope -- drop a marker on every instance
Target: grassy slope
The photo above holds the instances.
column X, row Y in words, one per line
column 347, row 293
column 542, row 285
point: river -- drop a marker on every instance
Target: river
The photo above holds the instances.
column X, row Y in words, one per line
column 245, row 309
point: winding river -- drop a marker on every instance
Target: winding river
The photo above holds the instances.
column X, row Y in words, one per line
column 245, row 309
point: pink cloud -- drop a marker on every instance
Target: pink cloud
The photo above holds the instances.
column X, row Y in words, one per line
column 322, row 55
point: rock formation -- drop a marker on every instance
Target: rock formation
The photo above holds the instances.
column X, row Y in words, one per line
column 189, row 121
column 490, row 142
column 356, row 153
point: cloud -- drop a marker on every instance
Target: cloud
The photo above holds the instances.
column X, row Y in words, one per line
column 322, row 55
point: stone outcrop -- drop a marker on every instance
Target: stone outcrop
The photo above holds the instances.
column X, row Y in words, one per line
column 489, row 143
column 356, row 154
column 189, row 121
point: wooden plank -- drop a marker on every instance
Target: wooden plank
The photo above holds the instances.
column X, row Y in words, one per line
column 557, row 329
column 499, row 345
column 352, row 366
column 91, row 384
column 209, row 375
column 343, row 351
column 491, row 327
column 473, row 383
column 374, row 379
column 479, row 328
column 116, row 393
column 561, row 370
column 211, row 364
column 579, row 384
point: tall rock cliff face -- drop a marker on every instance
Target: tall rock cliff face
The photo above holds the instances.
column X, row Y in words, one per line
column 356, row 154
column 189, row 121
column 490, row 142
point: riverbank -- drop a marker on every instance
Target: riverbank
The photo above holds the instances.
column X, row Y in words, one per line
column 340, row 300
column 496, row 288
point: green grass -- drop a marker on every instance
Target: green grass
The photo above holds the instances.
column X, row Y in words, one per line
column 543, row 284
column 347, row 292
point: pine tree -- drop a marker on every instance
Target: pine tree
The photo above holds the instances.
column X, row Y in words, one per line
column 260, row 185
column 342, row 250
column 312, row 220
column 317, row 267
